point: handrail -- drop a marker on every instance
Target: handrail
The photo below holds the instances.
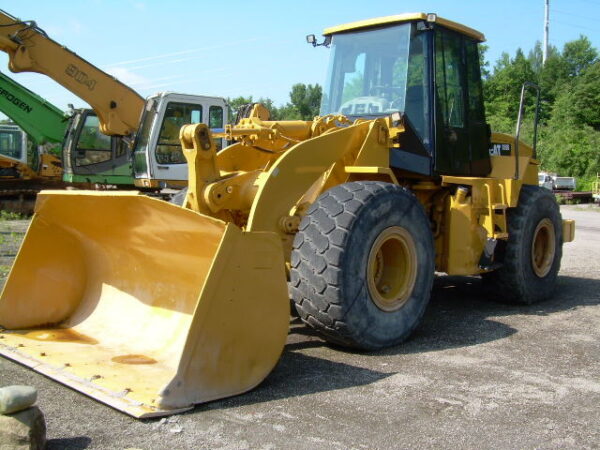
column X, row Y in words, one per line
column 526, row 85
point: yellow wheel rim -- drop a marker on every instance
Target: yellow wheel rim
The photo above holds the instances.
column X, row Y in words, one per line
column 543, row 248
column 392, row 269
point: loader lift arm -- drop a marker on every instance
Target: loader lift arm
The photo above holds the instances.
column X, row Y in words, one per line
column 30, row 50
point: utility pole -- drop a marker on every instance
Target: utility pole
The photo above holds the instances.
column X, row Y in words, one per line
column 546, row 27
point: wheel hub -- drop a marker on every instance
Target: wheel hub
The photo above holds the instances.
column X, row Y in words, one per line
column 543, row 248
column 392, row 269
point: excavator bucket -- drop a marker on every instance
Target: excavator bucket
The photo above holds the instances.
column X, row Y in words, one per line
column 144, row 305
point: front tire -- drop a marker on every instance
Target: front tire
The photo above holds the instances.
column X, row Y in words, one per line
column 362, row 265
column 533, row 250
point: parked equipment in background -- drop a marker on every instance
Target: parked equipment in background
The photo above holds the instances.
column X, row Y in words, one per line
column 93, row 158
column 62, row 143
column 27, row 167
column 42, row 121
column 564, row 183
column 545, row 180
column 120, row 110
column 158, row 156
column 151, row 307
column 24, row 171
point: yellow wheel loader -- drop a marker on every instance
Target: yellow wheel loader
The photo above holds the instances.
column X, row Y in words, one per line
column 152, row 307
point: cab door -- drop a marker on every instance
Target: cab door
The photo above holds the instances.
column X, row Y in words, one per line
column 452, row 145
column 93, row 150
column 168, row 155
column 462, row 134
column 97, row 157
column 168, row 159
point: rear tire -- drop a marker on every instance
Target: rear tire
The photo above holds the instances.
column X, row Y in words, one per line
column 362, row 265
column 533, row 251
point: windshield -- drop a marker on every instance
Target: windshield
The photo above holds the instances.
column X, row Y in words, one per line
column 367, row 72
column 93, row 147
column 376, row 72
column 168, row 149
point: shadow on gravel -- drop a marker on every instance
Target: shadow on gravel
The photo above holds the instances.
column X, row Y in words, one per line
column 459, row 315
column 461, row 312
column 296, row 375
column 68, row 443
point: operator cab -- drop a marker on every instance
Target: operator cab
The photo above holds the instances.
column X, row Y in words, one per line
column 13, row 143
column 89, row 154
column 158, row 157
column 424, row 67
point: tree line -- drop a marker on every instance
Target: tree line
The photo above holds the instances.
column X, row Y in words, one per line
column 569, row 123
column 569, row 126
column 305, row 100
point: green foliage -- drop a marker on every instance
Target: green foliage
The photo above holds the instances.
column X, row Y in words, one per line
column 9, row 215
column 234, row 105
column 569, row 129
column 570, row 151
column 586, row 183
column 484, row 63
column 502, row 90
column 579, row 55
column 305, row 101
column 4, row 270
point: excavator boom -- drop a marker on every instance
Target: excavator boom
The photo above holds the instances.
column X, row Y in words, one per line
column 31, row 50
column 40, row 119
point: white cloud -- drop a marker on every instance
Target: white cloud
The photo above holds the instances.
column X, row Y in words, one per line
column 183, row 52
column 68, row 28
column 126, row 76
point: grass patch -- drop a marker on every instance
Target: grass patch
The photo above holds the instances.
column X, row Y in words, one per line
column 9, row 215
column 4, row 269
column 592, row 208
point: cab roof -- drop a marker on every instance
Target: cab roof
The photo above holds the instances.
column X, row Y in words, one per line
column 407, row 17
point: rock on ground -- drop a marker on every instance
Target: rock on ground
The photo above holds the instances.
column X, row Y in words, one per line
column 23, row 430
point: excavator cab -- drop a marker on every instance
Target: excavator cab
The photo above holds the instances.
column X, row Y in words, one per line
column 158, row 156
column 426, row 69
column 13, row 150
column 90, row 156
column 13, row 143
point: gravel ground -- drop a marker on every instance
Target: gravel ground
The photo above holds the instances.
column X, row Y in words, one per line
column 476, row 374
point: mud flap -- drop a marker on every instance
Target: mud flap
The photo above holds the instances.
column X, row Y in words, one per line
column 144, row 305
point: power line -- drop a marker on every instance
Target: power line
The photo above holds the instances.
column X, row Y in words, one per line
column 575, row 26
column 586, row 18
column 183, row 52
column 590, row 2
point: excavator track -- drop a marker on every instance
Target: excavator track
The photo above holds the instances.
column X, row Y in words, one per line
column 20, row 196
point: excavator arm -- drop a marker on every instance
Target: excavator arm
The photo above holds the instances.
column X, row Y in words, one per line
column 40, row 119
column 31, row 50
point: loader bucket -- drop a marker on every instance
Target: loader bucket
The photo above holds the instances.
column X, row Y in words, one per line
column 144, row 305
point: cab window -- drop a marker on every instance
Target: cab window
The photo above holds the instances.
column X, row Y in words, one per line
column 93, row 146
column 215, row 117
column 168, row 149
column 11, row 144
column 449, row 79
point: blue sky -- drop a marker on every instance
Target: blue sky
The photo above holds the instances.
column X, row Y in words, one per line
column 258, row 47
